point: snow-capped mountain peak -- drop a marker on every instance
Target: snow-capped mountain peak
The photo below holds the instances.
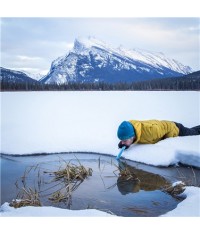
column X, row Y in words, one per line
column 14, row 76
column 35, row 76
column 93, row 60
column 157, row 59
column 84, row 44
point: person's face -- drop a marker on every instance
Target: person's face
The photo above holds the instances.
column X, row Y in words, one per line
column 127, row 142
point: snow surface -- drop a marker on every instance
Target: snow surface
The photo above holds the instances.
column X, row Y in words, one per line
column 49, row 122
column 49, row 211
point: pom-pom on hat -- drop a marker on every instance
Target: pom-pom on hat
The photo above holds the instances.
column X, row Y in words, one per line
column 125, row 131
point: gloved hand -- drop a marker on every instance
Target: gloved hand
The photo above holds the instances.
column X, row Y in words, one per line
column 120, row 145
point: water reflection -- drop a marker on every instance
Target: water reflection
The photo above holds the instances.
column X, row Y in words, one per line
column 131, row 194
column 136, row 179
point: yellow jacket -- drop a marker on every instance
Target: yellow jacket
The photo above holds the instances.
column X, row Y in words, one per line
column 152, row 131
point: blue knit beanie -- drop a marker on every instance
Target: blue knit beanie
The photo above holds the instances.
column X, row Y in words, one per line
column 125, row 131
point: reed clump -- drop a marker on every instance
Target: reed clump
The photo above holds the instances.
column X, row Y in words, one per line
column 126, row 173
column 58, row 197
column 63, row 182
column 72, row 173
column 70, row 177
column 175, row 189
column 28, row 197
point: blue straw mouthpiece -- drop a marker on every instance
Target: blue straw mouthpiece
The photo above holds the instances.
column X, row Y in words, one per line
column 120, row 153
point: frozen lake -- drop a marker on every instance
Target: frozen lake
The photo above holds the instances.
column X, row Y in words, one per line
column 104, row 190
column 49, row 122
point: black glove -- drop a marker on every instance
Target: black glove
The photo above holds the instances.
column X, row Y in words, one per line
column 120, row 145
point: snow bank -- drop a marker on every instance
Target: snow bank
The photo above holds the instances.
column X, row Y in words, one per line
column 50, row 122
column 45, row 211
column 187, row 207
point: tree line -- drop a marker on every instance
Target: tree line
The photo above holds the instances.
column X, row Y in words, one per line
column 179, row 83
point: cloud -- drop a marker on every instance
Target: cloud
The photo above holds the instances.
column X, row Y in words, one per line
column 32, row 42
column 28, row 58
column 194, row 29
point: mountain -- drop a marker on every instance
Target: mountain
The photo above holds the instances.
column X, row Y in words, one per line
column 92, row 60
column 35, row 76
column 186, row 82
column 12, row 76
column 195, row 76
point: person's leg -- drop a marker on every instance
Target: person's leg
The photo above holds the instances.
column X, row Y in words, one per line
column 185, row 131
column 196, row 128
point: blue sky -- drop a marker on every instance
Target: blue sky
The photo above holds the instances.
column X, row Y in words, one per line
column 33, row 43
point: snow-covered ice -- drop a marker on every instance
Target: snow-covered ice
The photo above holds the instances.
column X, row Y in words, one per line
column 192, row 195
column 49, row 122
column 50, row 211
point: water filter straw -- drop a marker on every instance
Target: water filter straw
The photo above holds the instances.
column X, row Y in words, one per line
column 120, row 153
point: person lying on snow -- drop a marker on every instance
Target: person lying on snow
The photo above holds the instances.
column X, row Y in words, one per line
column 151, row 131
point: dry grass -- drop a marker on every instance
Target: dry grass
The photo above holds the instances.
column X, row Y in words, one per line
column 175, row 190
column 58, row 197
column 190, row 180
column 28, row 197
column 126, row 173
column 65, row 180
column 72, row 173
column 71, row 176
